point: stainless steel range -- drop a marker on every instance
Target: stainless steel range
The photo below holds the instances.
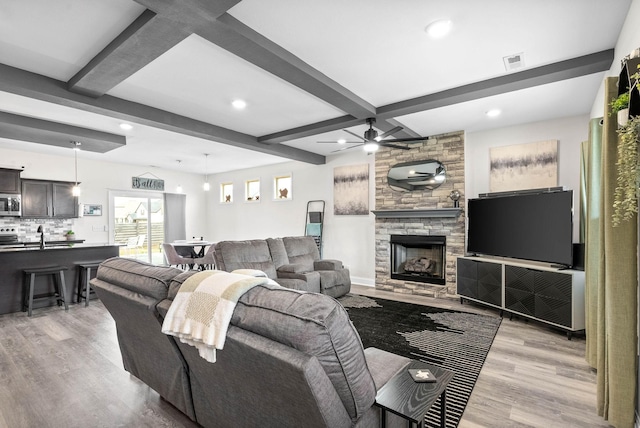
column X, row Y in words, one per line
column 8, row 235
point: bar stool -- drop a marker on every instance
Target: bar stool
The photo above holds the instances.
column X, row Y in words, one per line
column 84, row 276
column 30, row 281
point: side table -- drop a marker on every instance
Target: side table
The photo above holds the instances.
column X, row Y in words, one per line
column 412, row 400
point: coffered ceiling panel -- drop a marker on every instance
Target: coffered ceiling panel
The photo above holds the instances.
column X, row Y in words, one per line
column 308, row 71
column 200, row 80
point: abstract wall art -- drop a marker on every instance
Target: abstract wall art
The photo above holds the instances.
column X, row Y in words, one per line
column 351, row 190
column 524, row 166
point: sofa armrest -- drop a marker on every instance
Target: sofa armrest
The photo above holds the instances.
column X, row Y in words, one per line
column 306, row 276
column 384, row 365
column 292, row 268
column 327, row 264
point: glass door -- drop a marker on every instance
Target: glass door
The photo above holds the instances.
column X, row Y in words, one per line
column 137, row 225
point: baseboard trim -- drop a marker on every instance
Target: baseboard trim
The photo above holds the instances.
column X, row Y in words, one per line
column 367, row 282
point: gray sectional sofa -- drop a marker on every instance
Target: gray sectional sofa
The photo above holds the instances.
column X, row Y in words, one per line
column 293, row 262
column 291, row 358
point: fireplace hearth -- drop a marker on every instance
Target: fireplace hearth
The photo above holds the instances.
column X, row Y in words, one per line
column 419, row 258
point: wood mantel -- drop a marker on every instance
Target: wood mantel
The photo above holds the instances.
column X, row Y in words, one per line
column 419, row 213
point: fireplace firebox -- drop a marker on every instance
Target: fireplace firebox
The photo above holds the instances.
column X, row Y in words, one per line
column 419, row 258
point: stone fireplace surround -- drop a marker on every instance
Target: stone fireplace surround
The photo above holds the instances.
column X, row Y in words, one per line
column 420, row 212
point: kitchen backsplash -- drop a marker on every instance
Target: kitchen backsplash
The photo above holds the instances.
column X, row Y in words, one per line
column 27, row 228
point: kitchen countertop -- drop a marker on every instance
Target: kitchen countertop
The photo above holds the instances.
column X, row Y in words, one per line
column 52, row 245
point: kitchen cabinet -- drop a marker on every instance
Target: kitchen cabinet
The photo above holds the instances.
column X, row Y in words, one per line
column 10, row 180
column 48, row 199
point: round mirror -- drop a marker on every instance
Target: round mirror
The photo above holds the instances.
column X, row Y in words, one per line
column 417, row 175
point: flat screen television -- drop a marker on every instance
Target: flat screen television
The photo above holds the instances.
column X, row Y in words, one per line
column 530, row 226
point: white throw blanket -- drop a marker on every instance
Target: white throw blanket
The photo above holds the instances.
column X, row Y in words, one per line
column 201, row 311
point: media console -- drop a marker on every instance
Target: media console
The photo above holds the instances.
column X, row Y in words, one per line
column 538, row 292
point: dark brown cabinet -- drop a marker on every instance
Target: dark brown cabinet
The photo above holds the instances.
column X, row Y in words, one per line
column 10, row 180
column 48, row 199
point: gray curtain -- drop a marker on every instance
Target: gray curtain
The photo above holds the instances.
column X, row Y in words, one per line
column 175, row 212
column 611, row 278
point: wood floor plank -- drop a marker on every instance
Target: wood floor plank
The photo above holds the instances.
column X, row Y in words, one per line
column 532, row 377
column 64, row 369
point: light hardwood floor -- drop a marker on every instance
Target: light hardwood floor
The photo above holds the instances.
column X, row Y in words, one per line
column 63, row 369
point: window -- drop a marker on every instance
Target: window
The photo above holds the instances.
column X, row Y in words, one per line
column 282, row 188
column 226, row 193
column 252, row 190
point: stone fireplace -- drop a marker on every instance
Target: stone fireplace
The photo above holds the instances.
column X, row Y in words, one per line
column 427, row 215
column 420, row 258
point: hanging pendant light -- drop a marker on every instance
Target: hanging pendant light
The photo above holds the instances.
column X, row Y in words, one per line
column 76, row 189
column 206, row 185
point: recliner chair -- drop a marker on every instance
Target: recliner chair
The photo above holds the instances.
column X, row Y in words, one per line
column 302, row 253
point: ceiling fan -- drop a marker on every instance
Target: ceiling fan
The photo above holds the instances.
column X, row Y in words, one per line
column 372, row 141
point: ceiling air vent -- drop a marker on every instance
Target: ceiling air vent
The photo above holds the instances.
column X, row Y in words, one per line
column 513, row 62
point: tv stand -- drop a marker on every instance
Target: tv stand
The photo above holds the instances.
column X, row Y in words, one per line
column 546, row 294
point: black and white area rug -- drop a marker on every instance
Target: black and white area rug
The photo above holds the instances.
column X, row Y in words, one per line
column 457, row 341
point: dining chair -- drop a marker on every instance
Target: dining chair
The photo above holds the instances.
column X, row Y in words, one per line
column 207, row 261
column 175, row 259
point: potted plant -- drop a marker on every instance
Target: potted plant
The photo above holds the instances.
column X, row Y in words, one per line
column 620, row 106
column 70, row 235
column 625, row 197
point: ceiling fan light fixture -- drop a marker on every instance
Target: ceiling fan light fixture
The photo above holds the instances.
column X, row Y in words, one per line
column 439, row 28
column 371, row 146
column 371, row 135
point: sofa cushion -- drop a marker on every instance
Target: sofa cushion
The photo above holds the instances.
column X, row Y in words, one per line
column 137, row 276
column 317, row 325
column 254, row 254
column 301, row 250
column 278, row 252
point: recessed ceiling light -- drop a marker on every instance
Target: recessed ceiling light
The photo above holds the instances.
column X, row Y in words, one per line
column 493, row 112
column 126, row 126
column 342, row 141
column 239, row 104
column 439, row 28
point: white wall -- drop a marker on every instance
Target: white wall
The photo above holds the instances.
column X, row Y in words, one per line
column 346, row 238
column 97, row 178
column 570, row 133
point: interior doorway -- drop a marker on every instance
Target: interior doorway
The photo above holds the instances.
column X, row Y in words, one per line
column 137, row 225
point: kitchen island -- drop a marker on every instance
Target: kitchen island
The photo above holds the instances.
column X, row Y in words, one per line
column 14, row 259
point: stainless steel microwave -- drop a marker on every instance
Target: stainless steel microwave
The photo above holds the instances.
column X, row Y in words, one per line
column 10, row 205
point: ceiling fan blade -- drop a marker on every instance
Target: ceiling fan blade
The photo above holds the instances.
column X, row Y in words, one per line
column 346, row 148
column 335, row 142
column 405, row 140
column 395, row 146
column 391, row 131
column 355, row 135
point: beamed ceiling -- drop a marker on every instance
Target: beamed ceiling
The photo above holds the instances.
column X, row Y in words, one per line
column 74, row 70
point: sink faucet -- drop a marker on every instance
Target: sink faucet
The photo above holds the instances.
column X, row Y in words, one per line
column 41, row 232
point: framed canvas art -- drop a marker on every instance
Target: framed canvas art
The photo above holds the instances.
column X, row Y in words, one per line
column 351, row 190
column 524, row 166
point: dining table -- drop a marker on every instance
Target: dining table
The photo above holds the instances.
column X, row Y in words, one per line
column 194, row 249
